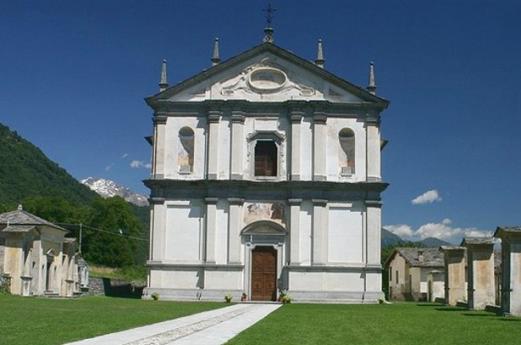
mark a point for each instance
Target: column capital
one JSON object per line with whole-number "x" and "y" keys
{"x": 238, "y": 116}
{"x": 296, "y": 116}
{"x": 294, "y": 201}
{"x": 159, "y": 119}
{"x": 319, "y": 202}
{"x": 211, "y": 200}
{"x": 214, "y": 116}
{"x": 236, "y": 201}
{"x": 373, "y": 203}
{"x": 319, "y": 118}
{"x": 156, "y": 200}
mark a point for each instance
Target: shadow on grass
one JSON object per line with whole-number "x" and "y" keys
{"x": 428, "y": 305}
{"x": 509, "y": 319}
{"x": 450, "y": 309}
{"x": 480, "y": 315}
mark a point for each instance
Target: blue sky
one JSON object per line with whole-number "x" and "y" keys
{"x": 74, "y": 74}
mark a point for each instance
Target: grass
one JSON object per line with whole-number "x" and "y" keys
{"x": 136, "y": 274}
{"x": 43, "y": 321}
{"x": 406, "y": 323}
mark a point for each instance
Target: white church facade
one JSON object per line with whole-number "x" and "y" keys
{"x": 266, "y": 178}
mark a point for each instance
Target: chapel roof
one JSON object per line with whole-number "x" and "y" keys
{"x": 278, "y": 51}
{"x": 23, "y": 221}
{"x": 432, "y": 257}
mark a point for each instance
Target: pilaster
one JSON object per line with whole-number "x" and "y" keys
{"x": 158, "y": 158}
{"x": 157, "y": 228}
{"x": 237, "y": 144}
{"x": 296, "y": 123}
{"x": 373, "y": 158}
{"x": 480, "y": 268}
{"x": 373, "y": 231}
{"x": 214, "y": 118}
{"x": 454, "y": 274}
{"x": 234, "y": 224}
{"x": 320, "y": 232}
{"x": 211, "y": 224}
{"x": 294, "y": 226}
{"x": 319, "y": 146}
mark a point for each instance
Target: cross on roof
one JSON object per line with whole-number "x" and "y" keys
{"x": 269, "y": 13}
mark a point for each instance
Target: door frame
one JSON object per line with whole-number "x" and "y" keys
{"x": 249, "y": 269}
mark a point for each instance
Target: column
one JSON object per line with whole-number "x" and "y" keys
{"x": 234, "y": 236}
{"x": 320, "y": 230}
{"x": 237, "y": 142}
{"x": 373, "y": 231}
{"x": 510, "y": 269}
{"x": 158, "y": 158}
{"x": 373, "y": 150}
{"x": 480, "y": 267}
{"x": 454, "y": 274}
{"x": 214, "y": 118}
{"x": 296, "y": 120}
{"x": 157, "y": 228}
{"x": 211, "y": 224}
{"x": 319, "y": 146}
{"x": 294, "y": 234}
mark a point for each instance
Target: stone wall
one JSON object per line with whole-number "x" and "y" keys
{"x": 114, "y": 288}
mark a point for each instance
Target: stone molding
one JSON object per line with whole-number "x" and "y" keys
{"x": 295, "y": 201}
{"x": 373, "y": 203}
{"x": 320, "y": 118}
{"x": 156, "y": 200}
{"x": 238, "y": 116}
{"x": 211, "y": 200}
{"x": 214, "y": 116}
{"x": 159, "y": 119}
{"x": 236, "y": 201}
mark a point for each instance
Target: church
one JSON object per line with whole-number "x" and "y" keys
{"x": 265, "y": 180}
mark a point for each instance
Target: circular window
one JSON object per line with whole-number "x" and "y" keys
{"x": 267, "y": 79}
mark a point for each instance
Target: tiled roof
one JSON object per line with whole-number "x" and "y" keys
{"x": 422, "y": 257}
{"x": 17, "y": 228}
{"x": 21, "y": 217}
{"x": 477, "y": 240}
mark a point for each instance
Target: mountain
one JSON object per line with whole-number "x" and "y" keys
{"x": 25, "y": 171}
{"x": 432, "y": 242}
{"x": 390, "y": 239}
{"x": 108, "y": 188}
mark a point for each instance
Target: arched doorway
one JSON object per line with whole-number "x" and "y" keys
{"x": 264, "y": 259}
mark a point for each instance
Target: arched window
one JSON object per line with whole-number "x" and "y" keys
{"x": 265, "y": 158}
{"x": 347, "y": 154}
{"x": 185, "y": 155}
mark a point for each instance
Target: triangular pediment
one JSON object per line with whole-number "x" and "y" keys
{"x": 266, "y": 73}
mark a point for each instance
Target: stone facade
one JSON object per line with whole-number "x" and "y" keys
{"x": 480, "y": 272}
{"x": 511, "y": 269}
{"x": 266, "y": 150}
{"x": 36, "y": 257}
{"x": 408, "y": 271}
{"x": 455, "y": 275}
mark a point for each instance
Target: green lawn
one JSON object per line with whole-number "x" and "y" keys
{"x": 45, "y": 321}
{"x": 405, "y": 323}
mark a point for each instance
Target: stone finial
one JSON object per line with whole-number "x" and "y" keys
{"x": 216, "y": 56}
{"x": 268, "y": 35}
{"x": 319, "y": 61}
{"x": 163, "y": 83}
{"x": 20, "y": 207}
{"x": 371, "y": 87}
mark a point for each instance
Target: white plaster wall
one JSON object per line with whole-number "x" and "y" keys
{"x": 334, "y": 126}
{"x": 325, "y": 281}
{"x": 306, "y": 222}
{"x": 173, "y": 125}
{"x": 184, "y": 229}
{"x": 177, "y": 279}
{"x": 345, "y": 237}
{"x": 306, "y": 149}
{"x": 223, "y": 279}
{"x": 221, "y": 232}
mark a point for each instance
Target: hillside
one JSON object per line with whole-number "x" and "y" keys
{"x": 27, "y": 176}
{"x": 25, "y": 171}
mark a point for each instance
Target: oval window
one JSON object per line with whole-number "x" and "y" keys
{"x": 267, "y": 79}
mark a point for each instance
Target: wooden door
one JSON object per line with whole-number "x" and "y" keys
{"x": 264, "y": 274}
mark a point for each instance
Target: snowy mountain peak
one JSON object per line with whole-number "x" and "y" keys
{"x": 108, "y": 188}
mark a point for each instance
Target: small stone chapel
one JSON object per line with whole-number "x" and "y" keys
{"x": 266, "y": 179}
{"x": 37, "y": 259}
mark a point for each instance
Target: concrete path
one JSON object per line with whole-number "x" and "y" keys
{"x": 207, "y": 328}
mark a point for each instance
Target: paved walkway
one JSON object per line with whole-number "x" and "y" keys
{"x": 207, "y": 328}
